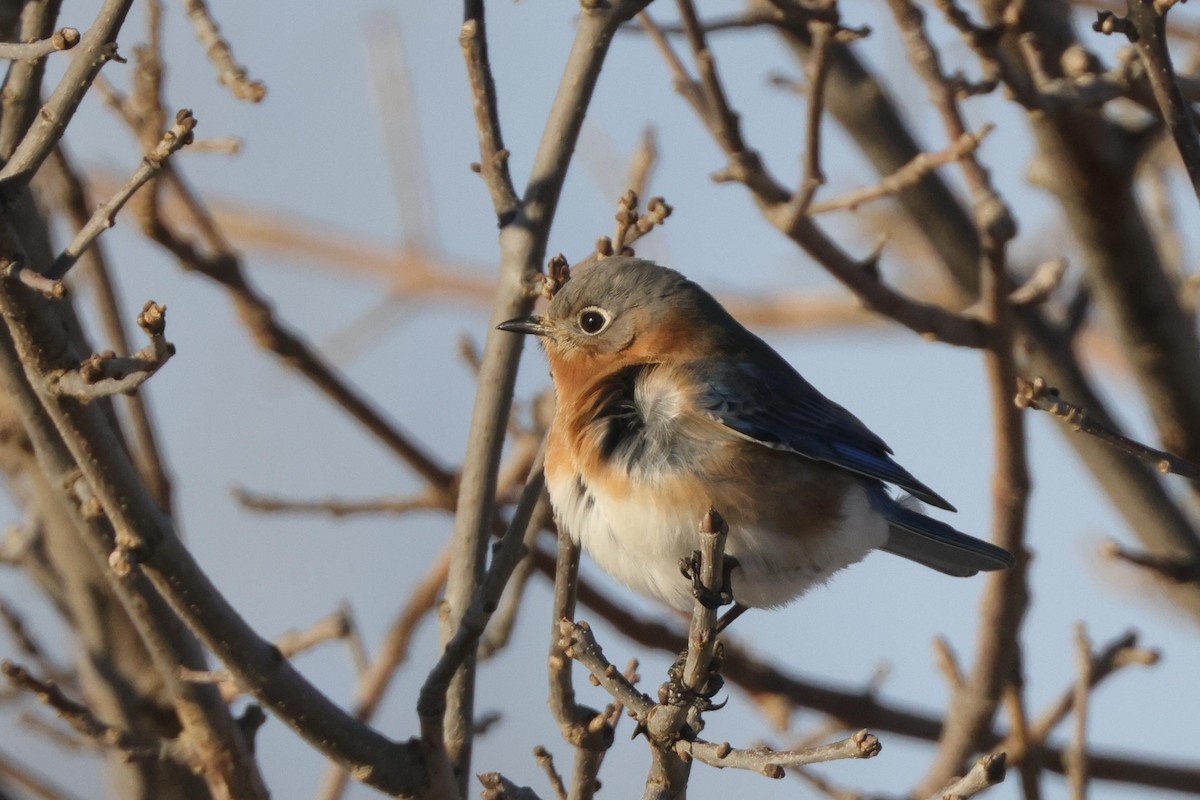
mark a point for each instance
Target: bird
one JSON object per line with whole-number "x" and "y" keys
{"x": 666, "y": 406}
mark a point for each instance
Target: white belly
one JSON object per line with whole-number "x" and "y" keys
{"x": 640, "y": 543}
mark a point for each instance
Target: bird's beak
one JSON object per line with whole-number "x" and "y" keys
{"x": 535, "y": 325}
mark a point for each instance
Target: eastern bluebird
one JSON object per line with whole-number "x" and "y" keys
{"x": 667, "y": 406}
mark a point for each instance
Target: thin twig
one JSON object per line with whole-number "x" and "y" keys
{"x": 393, "y": 652}
{"x": 708, "y": 571}
{"x": 772, "y": 763}
{"x": 106, "y": 374}
{"x": 84, "y": 722}
{"x": 757, "y": 676}
{"x": 988, "y": 771}
{"x": 1076, "y": 755}
{"x": 28, "y": 644}
{"x": 13, "y": 773}
{"x": 493, "y": 163}
{"x": 745, "y": 166}
{"x": 1174, "y": 568}
{"x": 63, "y": 39}
{"x": 338, "y": 507}
{"x": 1117, "y": 654}
{"x": 907, "y": 176}
{"x": 229, "y": 72}
{"x": 1037, "y": 394}
{"x": 546, "y": 761}
{"x": 335, "y": 627}
{"x": 179, "y": 135}
{"x": 815, "y": 71}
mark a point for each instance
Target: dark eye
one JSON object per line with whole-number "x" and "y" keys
{"x": 593, "y": 320}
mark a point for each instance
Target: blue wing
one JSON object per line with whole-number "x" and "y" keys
{"x": 762, "y": 398}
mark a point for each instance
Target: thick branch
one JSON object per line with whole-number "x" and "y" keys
{"x": 1146, "y": 26}
{"x": 97, "y": 46}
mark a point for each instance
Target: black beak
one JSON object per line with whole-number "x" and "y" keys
{"x": 535, "y": 325}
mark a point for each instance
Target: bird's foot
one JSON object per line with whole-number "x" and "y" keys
{"x": 676, "y": 692}
{"x": 690, "y": 567}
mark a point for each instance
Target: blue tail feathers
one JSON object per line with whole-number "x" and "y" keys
{"x": 935, "y": 544}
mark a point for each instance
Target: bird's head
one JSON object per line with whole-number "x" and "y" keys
{"x": 621, "y": 310}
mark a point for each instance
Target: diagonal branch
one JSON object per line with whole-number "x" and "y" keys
{"x": 96, "y": 48}
{"x": 229, "y": 72}
{"x": 179, "y": 135}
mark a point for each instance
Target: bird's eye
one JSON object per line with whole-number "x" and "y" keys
{"x": 592, "y": 320}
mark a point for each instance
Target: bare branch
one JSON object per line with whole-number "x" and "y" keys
{"x": 907, "y": 176}
{"x": 493, "y": 165}
{"x": 229, "y": 72}
{"x": 179, "y": 135}
{"x": 96, "y": 48}
{"x": 708, "y": 577}
{"x": 81, "y": 719}
{"x": 106, "y": 374}
{"x": 758, "y": 677}
{"x": 522, "y": 251}
{"x": 1145, "y": 25}
{"x": 63, "y": 39}
{"x": 498, "y": 787}
{"x": 1037, "y": 394}
{"x": 988, "y": 771}
{"x": 432, "y": 702}
{"x": 1076, "y": 755}
{"x": 37, "y": 786}
{"x": 772, "y": 763}
{"x": 27, "y": 643}
{"x": 662, "y": 722}
{"x": 1176, "y": 569}
{"x": 745, "y": 166}
{"x": 338, "y": 507}
{"x": 1046, "y": 278}
{"x": 546, "y": 761}
{"x": 1117, "y": 654}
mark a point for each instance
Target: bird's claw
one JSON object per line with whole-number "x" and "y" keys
{"x": 690, "y": 567}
